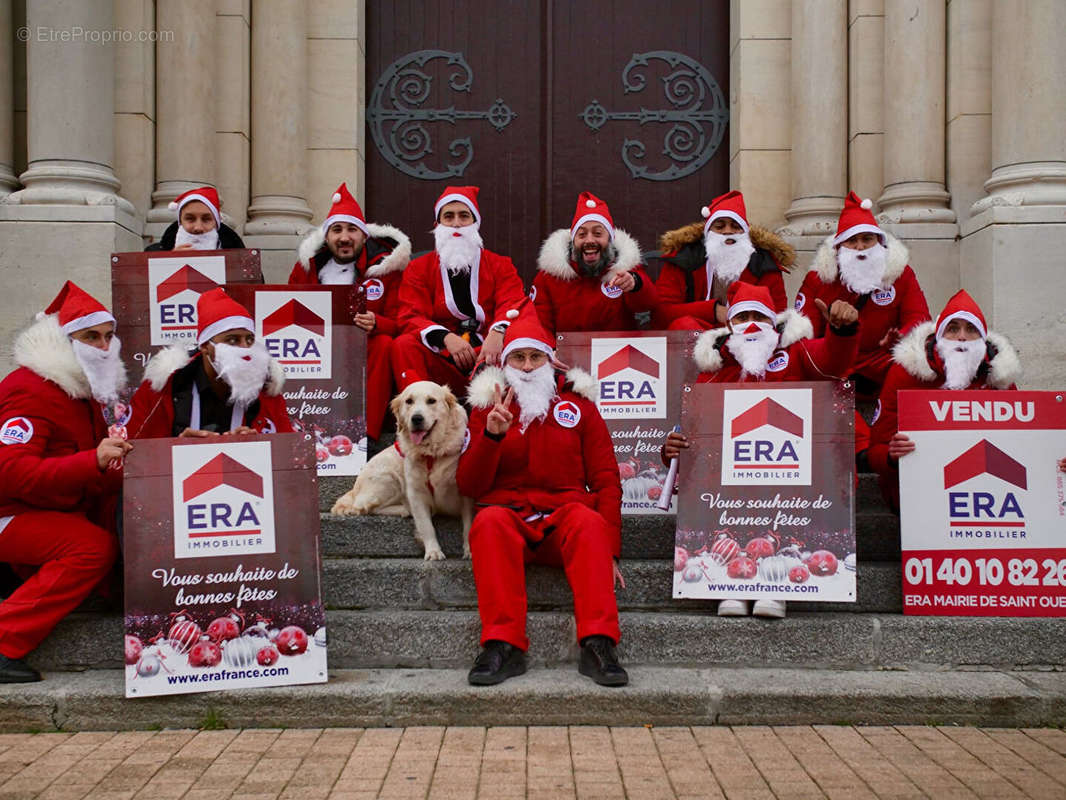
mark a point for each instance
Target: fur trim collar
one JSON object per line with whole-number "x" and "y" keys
{"x": 825, "y": 260}
{"x": 395, "y": 261}
{"x": 763, "y": 239}
{"x": 482, "y": 388}
{"x": 1004, "y": 370}
{"x": 44, "y": 349}
{"x": 554, "y": 257}
{"x": 170, "y": 359}
{"x": 707, "y": 351}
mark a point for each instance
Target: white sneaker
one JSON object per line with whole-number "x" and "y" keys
{"x": 734, "y": 608}
{"x": 772, "y": 609}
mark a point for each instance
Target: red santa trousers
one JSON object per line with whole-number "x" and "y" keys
{"x": 575, "y": 538}
{"x": 412, "y": 361}
{"x": 378, "y": 382}
{"x": 74, "y": 554}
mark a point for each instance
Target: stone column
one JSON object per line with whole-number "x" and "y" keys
{"x": 914, "y": 88}
{"x": 8, "y": 181}
{"x": 185, "y": 105}
{"x": 969, "y": 131}
{"x": 819, "y": 116}
{"x": 279, "y": 212}
{"x": 866, "y": 106}
{"x": 1028, "y": 109}
{"x": 70, "y": 115}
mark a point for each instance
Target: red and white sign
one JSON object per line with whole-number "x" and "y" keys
{"x": 766, "y": 438}
{"x": 174, "y": 286}
{"x": 632, "y": 377}
{"x": 223, "y": 499}
{"x": 983, "y": 504}
{"x": 297, "y": 329}
{"x": 17, "y": 430}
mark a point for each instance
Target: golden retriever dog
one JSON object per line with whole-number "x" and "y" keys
{"x": 416, "y": 478}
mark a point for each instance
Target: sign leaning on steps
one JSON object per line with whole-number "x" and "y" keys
{"x": 983, "y": 503}
{"x": 639, "y": 377}
{"x": 765, "y": 506}
{"x": 222, "y": 565}
{"x": 312, "y": 335}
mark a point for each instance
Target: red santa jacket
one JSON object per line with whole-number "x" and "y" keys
{"x": 565, "y": 458}
{"x": 900, "y": 304}
{"x": 798, "y": 357}
{"x": 568, "y": 300}
{"x": 152, "y": 413}
{"x": 50, "y": 427}
{"x": 917, "y": 365}
{"x": 682, "y": 283}
{"x": 380, "y": 265}
{"x": 426, "y": 301}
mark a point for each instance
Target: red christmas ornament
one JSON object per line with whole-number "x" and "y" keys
{"x": 205, "y": 653}
{"x": 291, "y": 641}
{"x": 724, "y": 550}
{"x": 227, "y": 627}
{"x": 759, "y": 547}
{"x": 267, "y": 656}
{"x": 183, "y": 633}
{"x": 626, "y": 470}
{"x": 680, "y": 557}
{"x": 822, "y": 563}
{"x": 340, "y": 445}
{"x": 742, "y": 567}
{"x": 134, "y": 646}
{"x": 321, "y": 453}
{"x": 799, "y": 574}
{"x": 655, "y": 492}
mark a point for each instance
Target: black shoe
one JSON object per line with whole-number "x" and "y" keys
{"x": 496, "y": 662}
{"x": 599, "y": 662}
{"x": 14, "y": 670}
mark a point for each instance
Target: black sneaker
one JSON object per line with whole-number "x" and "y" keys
{"x": 496, "y": 662}
{"x": 599, "y": 662}
{"x": 14, "y": 670}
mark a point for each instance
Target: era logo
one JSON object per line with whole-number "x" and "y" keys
{"x": 223, "y": 499}
{"x": 986, "y": 503}
{"x": 567, "y": 413}
{"x": 767, "y": 437}
{"x": 17, "y": 430}
{"x": 297, "y": 329}
{"x": 631, "y": 375}
{"x": 174, "y": 286}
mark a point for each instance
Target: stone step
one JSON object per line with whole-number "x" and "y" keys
{"x": 556, "y": 695}
{"x": 810, "y": 640}
{"x": 877, "y": 536}
{"x": 410, "y": 583}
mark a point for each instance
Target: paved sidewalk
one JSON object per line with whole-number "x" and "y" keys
{"x": 578, "y": 762}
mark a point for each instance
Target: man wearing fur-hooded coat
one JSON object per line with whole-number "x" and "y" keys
{"x": 590, "y": 277}
{"x": 691, "y": 288}
{"x": 890, "y": 303}
{"x": 378, "y": 267}
{"x": 919, "y": 363}
{"x": 57, "y": 490}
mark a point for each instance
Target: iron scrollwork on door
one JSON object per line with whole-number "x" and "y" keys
{"x": 698, "y": 115}
{"x": 398, "y": 121}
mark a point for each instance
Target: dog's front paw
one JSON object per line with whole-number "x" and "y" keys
{"x": 343, "y": 507}
{"x": 466, "y": 551}
{"x": 434, "y": 554}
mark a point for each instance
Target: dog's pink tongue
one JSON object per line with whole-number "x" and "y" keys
{"x": 418, "y": 436}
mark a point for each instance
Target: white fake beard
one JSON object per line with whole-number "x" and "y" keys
{"x": 753, "y": 350}
{"x": 103, "y": 368}
{"x": 244, "y": 369}
{"x": 458, "y": 248}
{"x": 199, "y": 241}
{"x": 534, "y": 391}
{"x": 727, "y": 261}
{"x": 961, "y": 361}
{"x": 862, "y": 270}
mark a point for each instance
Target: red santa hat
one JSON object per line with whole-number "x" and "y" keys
{"x": 525, "y": 330}
{"x": 464, "y": 194}
{"x": 856, "y": 217}
{"x": 748, "y": 297}
{"x": 961, "y": 306}
{"x": 77, "y": 309}
{"x": 206, "y": 195}
{"x": 591, "y": 209}
{"x": 730, "y": 204}
{"x": 345, "y": 209}
{"x": 217, "y": 312}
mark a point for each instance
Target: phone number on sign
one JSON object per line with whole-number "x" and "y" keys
{"x": 962, "y": 571}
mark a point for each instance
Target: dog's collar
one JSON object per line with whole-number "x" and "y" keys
{"x": 429, "y": 466}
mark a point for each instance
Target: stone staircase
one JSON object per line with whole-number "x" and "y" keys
{"x": 403, "y": 632}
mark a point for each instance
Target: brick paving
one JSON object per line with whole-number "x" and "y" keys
{"x": 540, "y": 763}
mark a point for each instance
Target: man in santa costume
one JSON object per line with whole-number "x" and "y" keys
{"x": 590, "y": 277}
{"x": 199, "y": 225}
{"x": 702, "y": 260}
{"x": 956, "y": 352}
{"x": 348, "y": 250}
{"x": 57, "y": 485}
{"x": 453, "y": 300}
{"x": 759, "y": 345}
{"x": 867, "y": 267}
{"x": 228, "y": 384}
{"x": 541, "y": 468}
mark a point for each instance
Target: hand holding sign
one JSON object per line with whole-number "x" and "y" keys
{"x": 111, "y": 449}
{"x": 899, "y": 445}
{"x": 1062, "y": 465}
{"x": 500, "y": 417}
